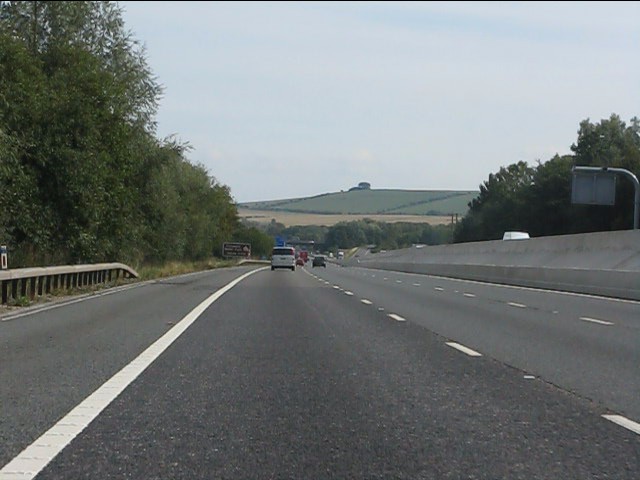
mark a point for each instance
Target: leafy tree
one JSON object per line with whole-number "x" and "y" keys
{"x": 610, "y": 143}
{"x": 497, "y": 207}
{"x": 82, "y": 176}
{"x": 538, "y": 200}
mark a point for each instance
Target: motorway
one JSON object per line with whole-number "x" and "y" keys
{"x": 321, "y": 373}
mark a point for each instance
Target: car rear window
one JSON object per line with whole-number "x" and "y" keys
{"x": 283, "y": 251}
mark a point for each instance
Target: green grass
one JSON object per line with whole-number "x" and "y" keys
{"x": 362, "y": 202}
{"x": 171, "y": 269}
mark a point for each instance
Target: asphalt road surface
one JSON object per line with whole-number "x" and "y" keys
{"x": 321, "y": 373}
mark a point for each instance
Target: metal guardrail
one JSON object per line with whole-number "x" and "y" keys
{"x": 34, "y": 281}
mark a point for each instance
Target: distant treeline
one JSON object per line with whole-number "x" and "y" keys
{"x": 537, "y": 199}
{"x": 82, "y": 176}
{"x": 357, "y": 233}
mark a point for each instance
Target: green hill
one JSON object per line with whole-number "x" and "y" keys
{"x": 362, "y": 202}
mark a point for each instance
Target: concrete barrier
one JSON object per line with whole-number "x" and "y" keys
{"x": 603, "y": 263}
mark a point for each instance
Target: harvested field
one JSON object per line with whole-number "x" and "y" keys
{"x": 291, "y": 218}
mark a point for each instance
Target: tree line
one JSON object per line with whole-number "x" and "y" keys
{"x": 83, "y": 177}
{"x": 537, "y": 199}
{"x": 381, "y": 235}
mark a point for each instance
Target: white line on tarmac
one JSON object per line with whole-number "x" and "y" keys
{"x": 463, "y": 349}
{"x": 337, "y": 287}
{"x": 83, "y": 298}
{"x": 517, "y": 305}
{"x": 366, "y": 302}
{"x": 516, "y": 287}
{"x": 36, "y": 456}
{"x": 439, "y": 289}
{"x": 470, "y": 295}
{"x": 416, "y": 284}
{"x": 624, "y": 422}
{"x": 348, "y": 293}
{"x": 397, "y": 318}
{"x": 595, "y": 320}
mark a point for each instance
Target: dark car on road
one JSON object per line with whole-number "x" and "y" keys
{"x": 319, "y": 261}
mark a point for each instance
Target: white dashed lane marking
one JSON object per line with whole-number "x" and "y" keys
{"x": 366, "y": 302}
{"x": 624, "y": 422}
{"x": 397, "y": 318}
{"x": 517, "y": 305}
{"x": 463, "y": 349}
{"x": 348, "y": 293}
{"x": 470, "y": 295}
{"x": 595, "y": 320}
{"x": 440, "y": 289}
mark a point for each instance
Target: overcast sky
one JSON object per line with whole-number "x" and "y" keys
{"x": 284, "y": 100}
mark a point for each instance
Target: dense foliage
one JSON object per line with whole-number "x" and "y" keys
{"x": 82, "y": 176}
{"x": 538, "y": 199}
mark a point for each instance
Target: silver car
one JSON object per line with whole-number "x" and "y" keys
{"x": 283, "y": 257}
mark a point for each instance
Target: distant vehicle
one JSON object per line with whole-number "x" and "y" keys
{"x": 304, "y": 255}
{"x": 283, "y": 257}
{"x": 340, "y": 255}
{"x": 515, "y": 236}
{"x": 300, "y": 262}
{"x": 319, "y": 261}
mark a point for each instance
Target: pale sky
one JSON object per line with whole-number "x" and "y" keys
{"x": 293, "y": 99}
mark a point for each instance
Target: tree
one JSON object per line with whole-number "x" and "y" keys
{"x": 538, "y": 200}
{"x": 82, "y": 176}
{"x": 497, "y": 209}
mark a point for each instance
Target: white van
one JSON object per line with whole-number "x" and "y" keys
{"x": 283, "y": 257}
{"x": 515, "y": 236}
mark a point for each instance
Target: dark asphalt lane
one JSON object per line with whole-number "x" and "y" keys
{"x": 51, "y": 360}
{"x": 537, "y": 331}
{"x": 286, "y": 377}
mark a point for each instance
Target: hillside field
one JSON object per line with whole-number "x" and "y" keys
{"x": 296, "y": 218}
{"x": 433, "y": 203}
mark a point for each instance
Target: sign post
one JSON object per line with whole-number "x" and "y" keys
{"x": 597, "y": 186}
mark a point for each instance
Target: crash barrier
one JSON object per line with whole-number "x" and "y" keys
{"x": 603, "y": 263}
{"x": 42, "y": 280}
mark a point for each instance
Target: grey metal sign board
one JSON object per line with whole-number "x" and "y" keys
{"x": 593, "y": 188}
{"x": 231, "y": 249}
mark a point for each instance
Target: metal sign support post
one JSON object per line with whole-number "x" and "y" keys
{"x": 631, "y": 176}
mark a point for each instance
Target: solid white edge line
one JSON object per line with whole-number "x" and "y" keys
{"x": 595, "y": 320}
{"x": 463, "y": 349}
{"x": 397, "y": 318}
{"x": 33, "y": 459}
{"x": 6, "y": 317}
{"x": 624, "y": 422}
{"x": 83, "y": 298}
